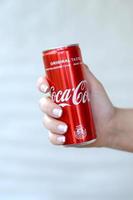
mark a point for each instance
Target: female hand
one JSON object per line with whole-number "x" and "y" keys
{"x": 102, "y": 108}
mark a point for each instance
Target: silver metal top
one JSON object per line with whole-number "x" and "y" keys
{"x": 60, "y": 47}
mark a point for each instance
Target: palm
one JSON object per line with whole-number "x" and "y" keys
{"x": 102, "y": 109}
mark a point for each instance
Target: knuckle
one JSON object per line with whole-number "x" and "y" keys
{"x": 39, "y": 81}
{"x": 99, "y": 85}
{"x": 43, "y": 102}
{"x": 53, "y": 141}
{"x": 46, "y": 121}
{"x": 52, "y": 138}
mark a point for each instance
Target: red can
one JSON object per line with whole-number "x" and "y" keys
{"x": 69, "y": 89}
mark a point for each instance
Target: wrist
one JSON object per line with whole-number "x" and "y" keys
{"x": 120, "y": 135}
{"x": 113, "y": 130}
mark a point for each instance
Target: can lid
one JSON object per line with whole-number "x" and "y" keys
{"x": 62, "y": 56}
{"x": 51, "y": 50}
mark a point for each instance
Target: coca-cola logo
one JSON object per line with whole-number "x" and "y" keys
{"x": 74, "y": 95}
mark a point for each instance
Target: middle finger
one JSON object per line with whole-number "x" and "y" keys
{"x": 50, "y": 108}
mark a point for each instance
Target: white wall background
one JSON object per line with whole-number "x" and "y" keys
{"x": 30, "y": 167}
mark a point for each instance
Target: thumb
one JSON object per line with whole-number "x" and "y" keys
{"x": 97, "y": 91}
{"x": 98, "y": 95}
{"x": 94, "y": 83}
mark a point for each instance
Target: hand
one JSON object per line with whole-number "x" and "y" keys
{"x": 102, "y": 108}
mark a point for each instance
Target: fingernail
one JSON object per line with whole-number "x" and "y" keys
{"x": 44, "y": 88}
{"x": 57, "y": 112}
{"x": 62, "y": 127}
{"x": 61, "y": 139}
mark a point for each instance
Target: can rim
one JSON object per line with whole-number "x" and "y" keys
{"x": 59, "y": 47}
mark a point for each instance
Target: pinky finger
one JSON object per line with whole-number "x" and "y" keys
{"x": 56, "y": 139}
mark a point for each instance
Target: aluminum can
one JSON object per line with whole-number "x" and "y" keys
{"x": 70, "y": 90}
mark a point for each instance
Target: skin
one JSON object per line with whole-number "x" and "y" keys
{"x": 114, "y": 126}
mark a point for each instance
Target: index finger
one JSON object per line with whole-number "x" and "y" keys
{"x": 42, "y": 84}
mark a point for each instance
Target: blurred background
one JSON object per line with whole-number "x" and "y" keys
{"x": 30, "y": 167}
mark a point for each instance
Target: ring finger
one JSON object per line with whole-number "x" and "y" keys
{"x": 54, "y": 125}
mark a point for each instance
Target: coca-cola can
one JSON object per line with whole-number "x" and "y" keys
{"x": 70, "y": 90}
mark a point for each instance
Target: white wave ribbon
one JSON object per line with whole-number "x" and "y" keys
{"x": 64, "y": 104}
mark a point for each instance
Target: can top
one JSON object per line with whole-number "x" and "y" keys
{"x": 61, "y": 57}
{"x": 60, "y": 48}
